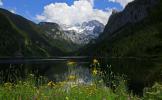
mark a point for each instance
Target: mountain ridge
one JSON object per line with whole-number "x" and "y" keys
{"x": 80, "y": 34}
{"x": 43, "y": 39}
{"x": 134, "y": 12}
{"x": 132, "y": 38}
{"x": 32, "y": 42}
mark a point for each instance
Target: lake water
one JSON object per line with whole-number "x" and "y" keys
{"x": 140, "y": 72}
{"x": 55, "y": 69}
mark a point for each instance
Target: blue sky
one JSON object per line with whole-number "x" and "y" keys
{"x": 32, "y": 8}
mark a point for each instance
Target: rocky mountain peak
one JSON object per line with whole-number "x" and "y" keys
{"x": 92, "y": 23}
{"x": 79, "y": 34}
{"x": 133, "y": 13}
{"x": 114, "y": 11}
{"x": 85, "y": 32}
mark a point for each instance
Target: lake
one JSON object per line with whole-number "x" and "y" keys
{"x": 140, "y": 72}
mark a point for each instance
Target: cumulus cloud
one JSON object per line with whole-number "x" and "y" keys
{"x": 1, "y": 3}
{"x": 123, "y": 3}
{"x": 79, "y": 12}
{"x": 91, "y": 1}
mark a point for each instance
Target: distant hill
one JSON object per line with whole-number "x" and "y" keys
{"x": 20, "y": 37}
{"x": 55, "y": 35}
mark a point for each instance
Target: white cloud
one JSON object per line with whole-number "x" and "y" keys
{"x": 123, "y": 3}
{"x": 91, "y": 1}
{"x": 13, "y": 11}
{"x": 79, "y": 12}
{"x": 1, "y": 3}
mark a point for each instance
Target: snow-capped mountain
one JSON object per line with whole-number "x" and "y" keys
{"x": 83, "y": 33}
{"x": 78, "y": 34}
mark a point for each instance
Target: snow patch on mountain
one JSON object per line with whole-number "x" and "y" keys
{"x": 79, "y": 33}
{"x": 83, "y": 33}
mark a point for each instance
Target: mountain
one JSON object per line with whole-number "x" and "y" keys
{"x": 43, "y": 39}
{"x": 57, "y": 37}
{"x": 133, "y": 39}
{"x": 20, "y": 37}
{"x": 135, "y": 31}
{"x": 83, "y": 33}
{"x": 134, "y": 12}
{"x": 79, "y": 34}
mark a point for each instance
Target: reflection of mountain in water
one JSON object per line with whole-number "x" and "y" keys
{"x": 140, "y": 72}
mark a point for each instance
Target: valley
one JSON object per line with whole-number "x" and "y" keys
{"x": 119, "y": 58}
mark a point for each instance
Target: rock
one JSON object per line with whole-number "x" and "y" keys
{"x": 133, "y": 13}
{"x": 78, "y": 34}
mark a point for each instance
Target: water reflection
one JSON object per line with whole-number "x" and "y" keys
{"x": 54, "y": 69}
{"x": 140, "y": 72}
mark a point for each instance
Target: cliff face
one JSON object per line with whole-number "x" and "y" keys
{"x": 135, "y": 31}
{"x": 133, "y": 13}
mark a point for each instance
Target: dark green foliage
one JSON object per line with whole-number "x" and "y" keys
{"x": 8, "y": 45}
{"x": 21, "y": 37}
{"x": 57, "y": 39}
{"x": 153, "y": 93}
{"x": 141, "y": 42}
{"x": 140, "y": 39}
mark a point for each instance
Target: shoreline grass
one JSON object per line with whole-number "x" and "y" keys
{"x": 40, "y": 88}
{"x": 66, "y": 90}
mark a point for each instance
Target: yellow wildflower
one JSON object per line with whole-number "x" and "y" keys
{"x": 94, "y": 72}
{"x": 8, "y": 85}
{"x": 71, "y": 63}
{"x": 95, "y": 61}
{"x": 61, "y": 84}
{"x": 72, "y": 77}
{"x": 51, "y": 84}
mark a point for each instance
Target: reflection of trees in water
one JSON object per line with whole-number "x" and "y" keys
{"x": 53, "y": 71}
{"x": 140, "y": 72}
{"x": 11, "y": 72}
{"x": 16, "y": 72}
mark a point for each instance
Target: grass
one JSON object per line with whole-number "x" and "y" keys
{"x": 40, "y": 88}
{"x": 66, "y": 90}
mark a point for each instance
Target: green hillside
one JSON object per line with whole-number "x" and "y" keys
{"x": 140, "y": 39}
{"x": 21, "y": 37}
{"x": 53, "y": 33}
